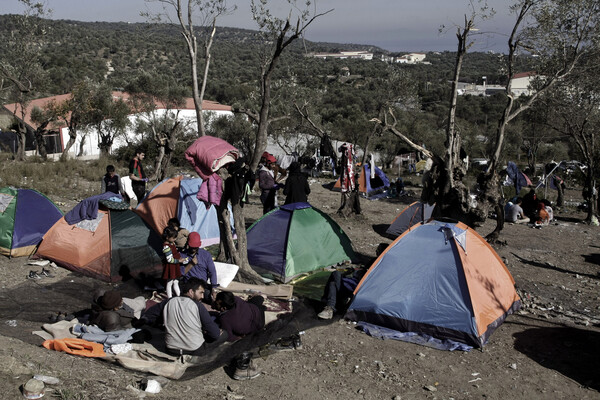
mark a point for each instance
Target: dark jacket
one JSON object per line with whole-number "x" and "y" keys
{"x": 296, "y": 186}
{"x": 243, "y": 319}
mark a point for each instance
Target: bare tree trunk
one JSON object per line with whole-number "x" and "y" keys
{"x": 195, "y": 90}
{"x": 105, "y": 145}
{"x": 22, "y": 139}
{"x": 158, "y": 162}
{"x": 41, "y": 143}
{"x": 590, "y": 194}
{"x": 350, "y": 204}
{"x": 70, "y": 143}
{"x": 207, "y": 56}
{"x": 236, "y": 253}
{"x": 451, "y": 195}
{"x": 81, "y": 144}
{"x": 162, "y": 172}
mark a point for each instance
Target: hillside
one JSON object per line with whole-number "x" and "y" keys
{"x": 76, "y": 49}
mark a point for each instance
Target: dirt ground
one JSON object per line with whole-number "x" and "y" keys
{"x": 548, "y": 350}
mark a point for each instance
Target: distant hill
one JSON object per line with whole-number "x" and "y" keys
{"x": 117, "y": 51}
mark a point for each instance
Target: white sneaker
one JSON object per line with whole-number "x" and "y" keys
{"x": 327, "y": 313}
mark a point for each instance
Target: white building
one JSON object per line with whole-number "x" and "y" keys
{"x": 362, "y": 55}
{"x": 411, "y": 58}
{"x": 90, "y": 137}
{"x": 520, "y": 84}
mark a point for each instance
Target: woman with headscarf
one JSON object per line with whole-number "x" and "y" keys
{"x": 267, "y": 185}
{"x": 296, "y": 186}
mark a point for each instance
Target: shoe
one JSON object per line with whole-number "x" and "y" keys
{"x": 297, "y": 341}
{"x": 288, "y": 343}
{"x": 245, "y": 369}
{"x": 33, "y": 275}
{"x": 327, "y": 313}
{"x": 250, "y": 372}
{"x": 46, "y": 273}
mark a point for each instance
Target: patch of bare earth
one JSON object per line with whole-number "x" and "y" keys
{"x": 547, "y": 350}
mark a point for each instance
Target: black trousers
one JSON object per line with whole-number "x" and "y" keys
{"x": 139, "y": 189}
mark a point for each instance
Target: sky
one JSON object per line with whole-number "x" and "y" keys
{"x": 394, "y": 25}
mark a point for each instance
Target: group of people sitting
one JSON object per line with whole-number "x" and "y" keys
{"x": 190, "y": 328}
{"x": 527, "y": 209}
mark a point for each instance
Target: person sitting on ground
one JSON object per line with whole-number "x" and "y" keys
{"x": 107, "y": 313}
{"x": 296, "y": 187}
{"x": 400, "y": 191}
{"x": 182, "y": 233}
{"x": 111, "y": 182}
{"x": 238, "y": 317}
{"x": 530, "y": 205}
{"x": 338, "y": 290}
{"x": 549, "y": 210}
{"x": 514, "y": 213}
{"x": 189, "y": 327}
{"x": 542, "y": 215}
{"x": 201, "y": 265}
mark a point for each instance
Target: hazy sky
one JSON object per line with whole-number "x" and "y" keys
{"x": 395, "y": 25}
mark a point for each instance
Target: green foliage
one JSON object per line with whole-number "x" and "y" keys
{"x": 137, "y": 57}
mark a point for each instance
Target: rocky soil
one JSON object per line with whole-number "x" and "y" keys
{"x": 548, "y": 350}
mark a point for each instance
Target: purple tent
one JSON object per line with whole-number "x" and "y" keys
{"x": 25, "y": 216}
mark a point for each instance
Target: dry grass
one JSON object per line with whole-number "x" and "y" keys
{"x": 56, "y": 178}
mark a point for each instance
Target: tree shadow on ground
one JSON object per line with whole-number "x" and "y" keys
{"x": 568, "y": 219}
{"x": 551, "y": 267}
{"x": 29, "y": 305}
{"x": 570, "y": 351}
{"x": 381, "y": 229}
{"x": 32, "y": 303}
{"x": 593, "y": 258}
{"x": 329, "y": 185}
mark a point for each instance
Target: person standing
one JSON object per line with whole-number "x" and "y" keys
{"x": 173, "y": 258}
{"x": 137, "y": 175}
{"x": 111, "y": 182}
{"x": 267, "y": 185}
{"x": 296, "y": 186}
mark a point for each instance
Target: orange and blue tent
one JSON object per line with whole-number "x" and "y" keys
{"x": 413, "y": 214}
{"x": 176, "y": 197}
{"x": 25, "y": 216}
{"x": 440, "y": 280}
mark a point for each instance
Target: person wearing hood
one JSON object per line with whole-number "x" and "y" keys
{"x": 296, "y": 187}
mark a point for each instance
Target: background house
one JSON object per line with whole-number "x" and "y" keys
{"x": 520, "y": 84}
{"x": 58, "y": 134}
